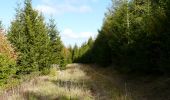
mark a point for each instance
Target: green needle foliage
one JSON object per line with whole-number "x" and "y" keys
{"x": 135, "y": 37}
{"x": 39, "y": 45}
{"x": 29, "y": 35}
{"x": 56, "y": 44}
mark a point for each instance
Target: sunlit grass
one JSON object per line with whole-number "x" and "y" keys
{"x": 63, "y": 85}
{"x": 88, "y": 82}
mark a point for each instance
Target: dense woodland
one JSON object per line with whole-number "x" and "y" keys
{"x": 134, "y": 37}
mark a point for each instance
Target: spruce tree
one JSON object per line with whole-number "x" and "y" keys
{"x": 75, "y": 53}
{"x": 56, "y": 45}
{"x": 28, "y": 34}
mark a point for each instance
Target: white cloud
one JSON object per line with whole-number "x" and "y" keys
{"x": 46, "y": 9}
{"x": 71, "y": 38}
{"x": 70, "y": 34}
{"x": 80, "y": 1}
{"x": 67, "y": 6}
{"x": 60, "y": 9}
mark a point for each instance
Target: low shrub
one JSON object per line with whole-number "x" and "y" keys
{"x": 7, "y": 59}
{"x": 7, "y": 68}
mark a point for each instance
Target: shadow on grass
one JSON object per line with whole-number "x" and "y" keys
{"x": 106, "y": 84}
{"x": 36, "y": 96}
{"x": 127, "y": 87}
{"x": 70, "y": 84}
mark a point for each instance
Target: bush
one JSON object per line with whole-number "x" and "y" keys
{"x": 7, "y": 59}
{"x": 53, "y": 71}
{"x": 45, "y": 71}
{"x": 7, "y": 68}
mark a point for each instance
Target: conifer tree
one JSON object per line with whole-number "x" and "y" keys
{"x": 56, "y": 45}
{"x": 75, "y": 53}
{"x": 28, "y": 34}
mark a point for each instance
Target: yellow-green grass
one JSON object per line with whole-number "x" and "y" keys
{"x": 71, "y": 83}
{"x": 89, "y": 82}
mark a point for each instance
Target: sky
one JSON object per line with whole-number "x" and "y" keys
{"x": 77, "y": 20}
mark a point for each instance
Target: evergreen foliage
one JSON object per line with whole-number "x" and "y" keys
{"x": 82, "y": 54}
{"x": 39, "y": 45}
{"x": 56, "y": 45}
{"x": 7, "y": 59}
{"x": 134, "y": 37}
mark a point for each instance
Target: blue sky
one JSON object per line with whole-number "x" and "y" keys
{"x": 77, "y": 20}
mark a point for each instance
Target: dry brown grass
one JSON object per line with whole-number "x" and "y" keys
{"x": 62, "y": 85}
{"x": 88, "y": 82}
{"x": 111, "y": 85}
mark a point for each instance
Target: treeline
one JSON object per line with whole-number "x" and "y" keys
{"x": 30, "y": 45}
{"x": 79, "y": 54}
{"x": 135, "y": 37}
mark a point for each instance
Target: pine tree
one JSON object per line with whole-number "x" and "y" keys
{"x": 56, "y": 45}
{"x": 75, "y": 53}
{"x": 70, "y": 49}
{"x": 28, "y": 34}
{"x": 135, "y": 36}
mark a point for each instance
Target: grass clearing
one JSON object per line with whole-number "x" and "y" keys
{"x": 59, "y": 85}
{"x": 89, "y": 82}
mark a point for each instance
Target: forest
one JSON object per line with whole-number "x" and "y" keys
{"x": 134, "y": 39}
